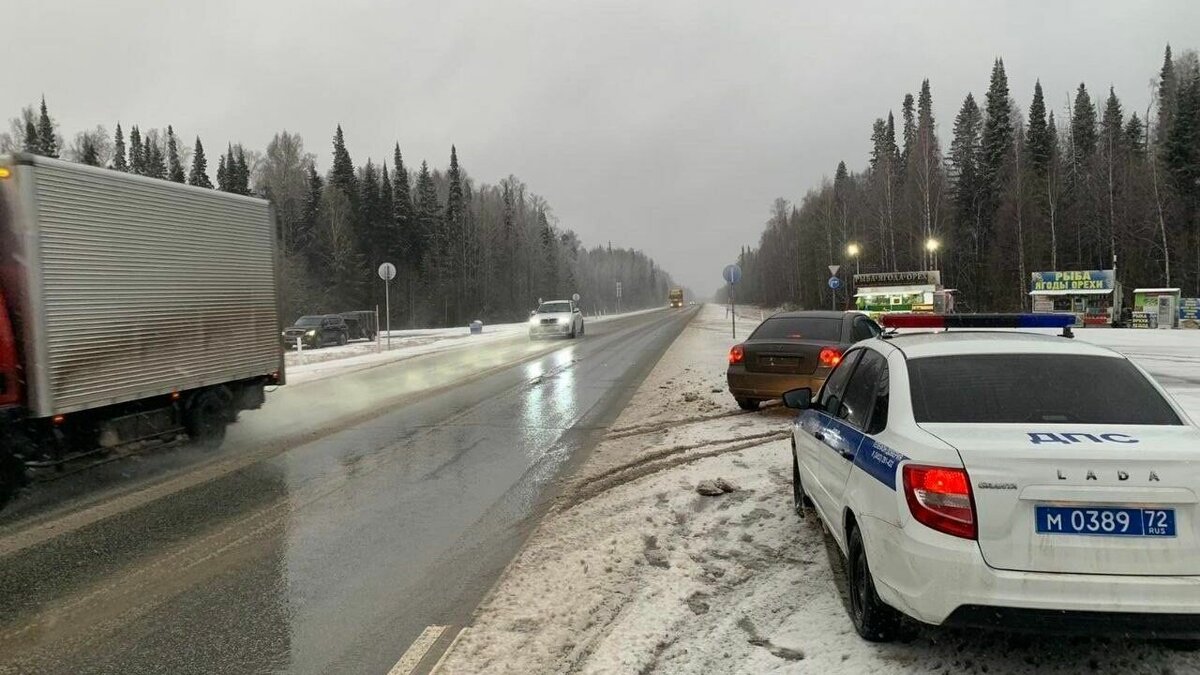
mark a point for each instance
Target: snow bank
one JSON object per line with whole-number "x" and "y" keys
{"x": 633, "y": 571}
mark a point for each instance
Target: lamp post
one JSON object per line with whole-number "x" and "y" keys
{"x": 931, "y": 245}
{"x": 853, "y": 250}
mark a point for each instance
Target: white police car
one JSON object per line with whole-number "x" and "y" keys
{"x": 1004, "y": 480}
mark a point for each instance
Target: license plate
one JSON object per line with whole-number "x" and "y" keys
{"x": 1105, "y": 521}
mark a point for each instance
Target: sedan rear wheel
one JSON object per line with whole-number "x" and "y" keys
{"x": 748, "y": 403}
{"x": 874, "y": 621}
{"x": 798, "y": 497}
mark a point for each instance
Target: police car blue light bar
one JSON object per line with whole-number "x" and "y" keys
{"x": 902, "y": 320}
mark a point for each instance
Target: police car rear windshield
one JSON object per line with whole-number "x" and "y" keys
{"x": 1045, "y": 388}
{"x": 799, "y": 328}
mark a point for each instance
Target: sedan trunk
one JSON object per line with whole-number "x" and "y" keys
{"x": 1087, "y": 499}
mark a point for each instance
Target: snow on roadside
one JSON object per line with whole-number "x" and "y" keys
{"x": 633, "y": 571}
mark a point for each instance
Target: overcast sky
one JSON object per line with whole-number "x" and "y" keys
{"x": 667, "y": 126}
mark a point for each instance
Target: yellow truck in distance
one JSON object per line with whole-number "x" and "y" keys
{"x": 675, "y": 297}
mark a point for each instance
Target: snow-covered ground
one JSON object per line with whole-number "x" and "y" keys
{"x": 312, "y": 364}
{"x": 633, "y": 571}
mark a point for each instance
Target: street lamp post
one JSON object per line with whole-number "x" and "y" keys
{"x": 853, "y": 250}
{"x": 931, "y": 245}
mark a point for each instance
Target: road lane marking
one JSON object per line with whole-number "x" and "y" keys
{"x": 417, "y": 650}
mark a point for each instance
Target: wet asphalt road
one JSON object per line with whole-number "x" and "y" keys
{"x": 335, "y": 524}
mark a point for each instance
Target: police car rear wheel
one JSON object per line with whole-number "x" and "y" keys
{"x": 799, "y": 500}
{"x": 873, "y": 620}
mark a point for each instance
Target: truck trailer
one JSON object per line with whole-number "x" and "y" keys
{"x": 132, "y": 309}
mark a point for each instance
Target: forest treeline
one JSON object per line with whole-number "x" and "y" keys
{"x": 1016, "y": 191}
{"x": 463, "y": 250}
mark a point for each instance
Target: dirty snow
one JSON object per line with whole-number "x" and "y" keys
{"x": 634, "y": 571}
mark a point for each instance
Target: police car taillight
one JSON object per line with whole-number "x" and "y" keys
{"x": 940, "y": 497}
{"x": 736, "y": 354}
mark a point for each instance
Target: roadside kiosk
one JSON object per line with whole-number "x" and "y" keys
{"x": 1093, "y": 296}
{"x": 919, "y": 291}
{"x": 1161, "y": 303}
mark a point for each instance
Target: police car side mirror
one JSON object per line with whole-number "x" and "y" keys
{"x": 798, "y": 399}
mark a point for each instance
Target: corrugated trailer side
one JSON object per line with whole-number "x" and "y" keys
{"x": 137, "y": 287}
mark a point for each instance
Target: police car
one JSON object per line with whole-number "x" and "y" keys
{"x": 1004, "y": 480}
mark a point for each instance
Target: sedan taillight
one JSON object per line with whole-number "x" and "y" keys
{"x": 830, "y": 357}
{"x": 940, "y": 497}
{"x": 736, "y": 354}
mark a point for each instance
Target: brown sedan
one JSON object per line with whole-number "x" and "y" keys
{"x": 792, "y": 350}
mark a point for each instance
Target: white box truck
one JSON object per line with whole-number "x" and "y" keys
{"x": 131, "y": 309}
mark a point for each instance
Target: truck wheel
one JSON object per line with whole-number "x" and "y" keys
{"x": 207, "y": 416}
{"x": 343, "y": 339}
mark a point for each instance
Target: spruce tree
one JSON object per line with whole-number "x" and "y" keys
{"x": 1037, "y": 135}
{"x": 222, "y": 175}
{"x": 406, "y": 247}
{"x": 156, "y": 165}
{"x": 341, "y": 174}
{"x": 965, "y": 168}
{"x": 385, "y": 208}
{"x": 1135, "y": 136}
{"x": 88, "y": 152}
{"x": 137, "y": 162}
{"x": 1182, "y": 152}
{"x": 47, "y": 141}
{"x": 242, "y": 176}
{"x": 370, "y": 240}
{"x": 119, "y": 162}
{"x": 312, "y": 212}
{"x": 198, "y": 176}
{"x": 1083, "y": 125}
{"x": 174, "y": 167}
{"x": 32, "y": 144}
{"x": 456, "y": 234}
{"x": 908, "y": 114}
{"x": 997, "y": 142}
{"x": 427, "y": 237}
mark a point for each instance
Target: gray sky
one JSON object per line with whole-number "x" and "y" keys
{"x": 668, "y": 126}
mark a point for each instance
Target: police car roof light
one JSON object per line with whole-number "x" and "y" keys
{"x": 906, "y": 320}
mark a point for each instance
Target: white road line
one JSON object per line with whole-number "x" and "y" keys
{"x": 417, "y": 650}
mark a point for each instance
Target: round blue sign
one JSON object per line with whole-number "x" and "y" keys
{"x": 835, "y": 283}
{"x": 732, "y": 273}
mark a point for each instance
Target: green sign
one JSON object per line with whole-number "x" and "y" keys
{"x": 1082, "y": 280}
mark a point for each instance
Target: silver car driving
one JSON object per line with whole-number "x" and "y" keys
{"x": 557, "y": 318}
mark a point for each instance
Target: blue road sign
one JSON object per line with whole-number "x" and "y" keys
{"x": 835, "y": 283}
{"x": 732, "y": 274}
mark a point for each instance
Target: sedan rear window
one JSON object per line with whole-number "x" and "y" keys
{"x": 799, "y": 328}
{"x": 1022, "y": 388}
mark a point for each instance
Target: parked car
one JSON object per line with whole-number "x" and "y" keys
{"x": 791, "y": 350}
{"x": 969, "y": 480}
{"x": 317, "y": 331}
{"x": 557, "y": 318}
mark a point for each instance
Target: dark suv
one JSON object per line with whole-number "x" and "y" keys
{"x": 317, "y": 331}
